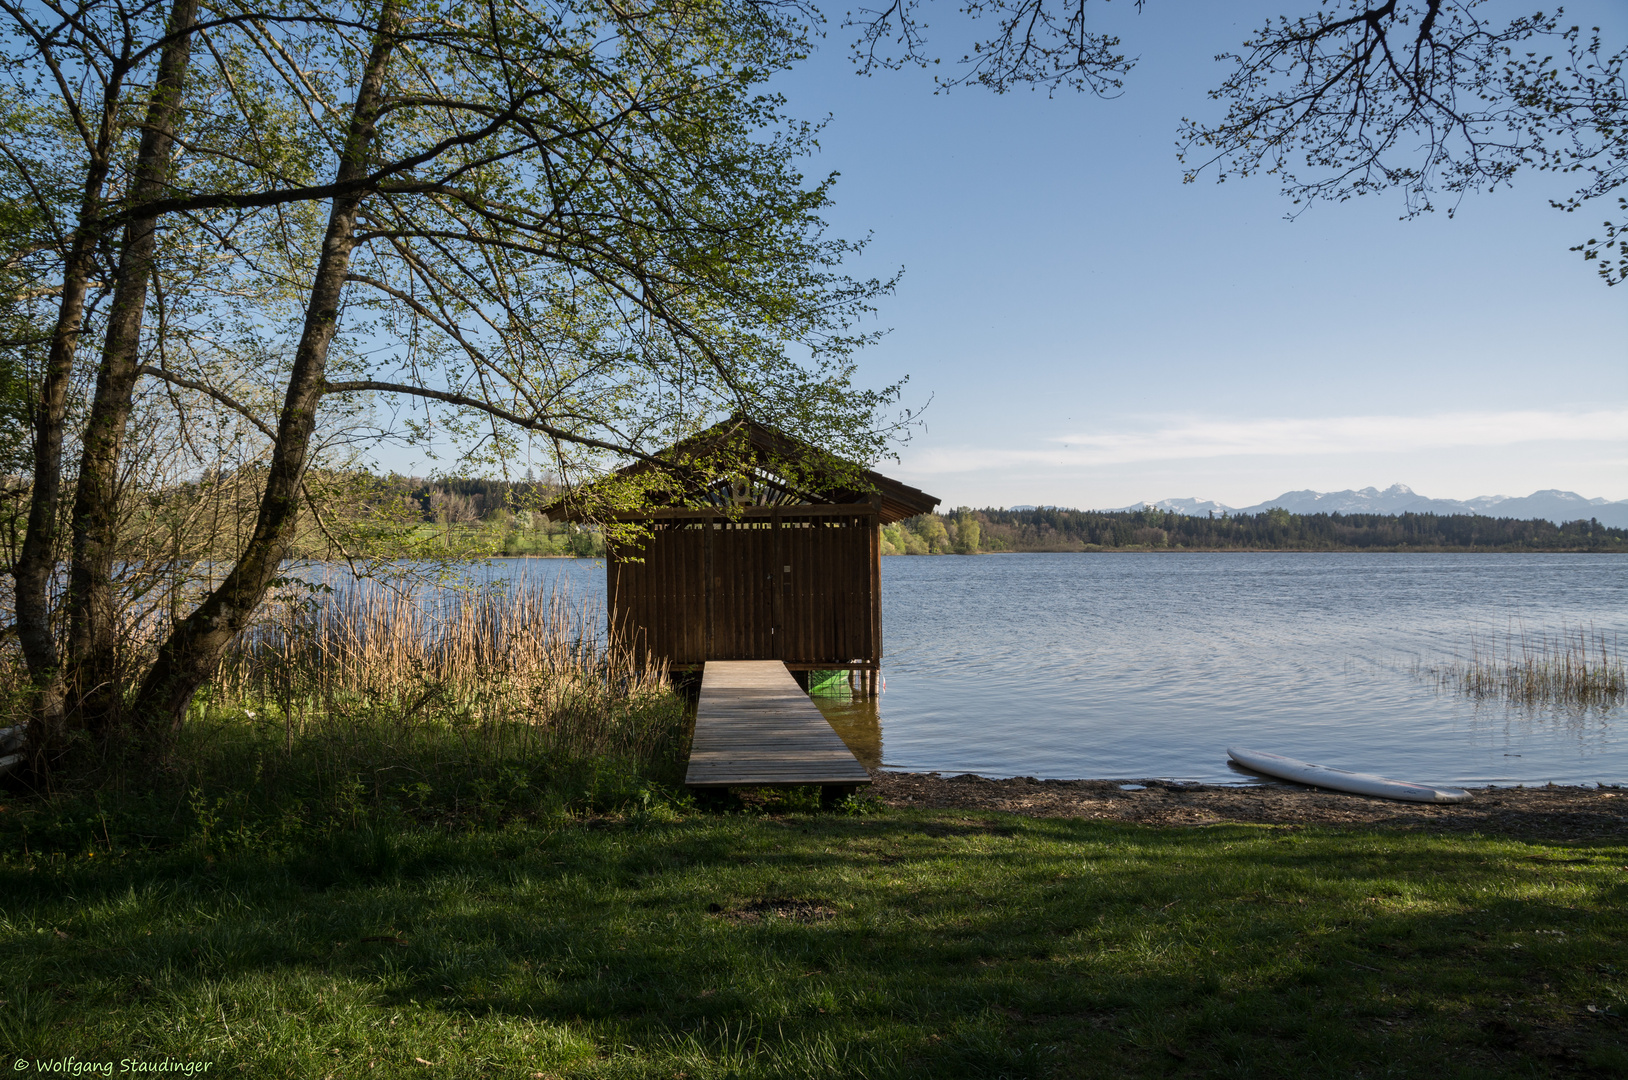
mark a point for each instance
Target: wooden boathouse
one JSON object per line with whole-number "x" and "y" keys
{"x": 777, "y": 557}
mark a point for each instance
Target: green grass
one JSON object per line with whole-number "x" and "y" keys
{"x": 799, "y": 944}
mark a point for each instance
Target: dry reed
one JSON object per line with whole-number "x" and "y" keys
{"x": 1574, "y": 666}
{"x": 435, "y": 698}
{"x": 378, "y": 638}
{"x": 447, "y": 685}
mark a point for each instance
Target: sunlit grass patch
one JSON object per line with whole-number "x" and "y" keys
{"x": 904, "y": 944}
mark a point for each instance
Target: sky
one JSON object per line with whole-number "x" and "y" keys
{"x": 1086, "y": 330}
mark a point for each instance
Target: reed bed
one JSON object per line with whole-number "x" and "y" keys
{"x": 506, "y": 698}
{"x": 524, "y": 653}
{"x": 1575, "y": 666}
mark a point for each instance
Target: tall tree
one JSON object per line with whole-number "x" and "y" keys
{"x": 186, "y": 659}
{"x": 105, "y": 84}
{"x": 91, "y": 607}
{"x": 578, "y": 222}
{"x": 596, "y": 245}
{"x": 72, "y": 50}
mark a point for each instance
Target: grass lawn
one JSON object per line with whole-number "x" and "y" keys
{"x": 931, "y": 944}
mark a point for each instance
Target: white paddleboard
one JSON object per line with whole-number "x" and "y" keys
{"x": 1302, "y": 772}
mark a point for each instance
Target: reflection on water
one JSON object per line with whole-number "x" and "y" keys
{"x": 859, "y": 722}
{"x": 1139, "y": 666}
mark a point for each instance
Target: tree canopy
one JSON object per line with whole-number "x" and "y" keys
{"x": 1432, "y": 98}
{"x": 571, "y": 228}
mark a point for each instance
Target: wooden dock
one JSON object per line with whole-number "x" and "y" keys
{"x": 755, "y": 726}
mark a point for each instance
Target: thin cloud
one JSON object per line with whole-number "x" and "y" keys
{"x": 1197, "y": 439}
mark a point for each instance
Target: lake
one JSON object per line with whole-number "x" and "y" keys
{"x": 1138, "y": 666}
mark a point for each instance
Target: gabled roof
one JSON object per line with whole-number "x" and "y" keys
{"x": 767, "y": 453}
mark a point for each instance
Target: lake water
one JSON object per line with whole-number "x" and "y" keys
{"x": 1140, "y": 666}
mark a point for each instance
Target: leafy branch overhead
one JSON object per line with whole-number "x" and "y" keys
{"x": 570, "y": 228}
{"x": 1434, "y": 98}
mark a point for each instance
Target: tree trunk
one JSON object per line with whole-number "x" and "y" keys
{"x": 91, "y": 605}
{"x": 188, "y": 657}
{"x": 36, "y": 562}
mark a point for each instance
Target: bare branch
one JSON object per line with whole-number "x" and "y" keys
{"x": 527, "y": 423}
{"x": 204, "y": 388}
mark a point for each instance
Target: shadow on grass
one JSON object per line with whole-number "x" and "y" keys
{"x": 932, "y": 943}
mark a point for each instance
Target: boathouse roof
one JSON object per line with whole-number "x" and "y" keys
{"x": 771, "y": 469}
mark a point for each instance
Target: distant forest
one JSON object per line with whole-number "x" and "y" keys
{"x": 398, "y": 516}
{"x": 966, "y": 531}
{"x": 488, "y": 513}
{"x": 489, "y": 516}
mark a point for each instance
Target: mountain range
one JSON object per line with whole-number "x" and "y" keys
{"x": 1553, "y": 504}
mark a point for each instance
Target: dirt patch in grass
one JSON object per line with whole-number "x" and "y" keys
{"x": 1559, "y": 813}
{"x": 803, "y": 911}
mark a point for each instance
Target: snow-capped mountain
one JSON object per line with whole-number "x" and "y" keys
{"x": 1553, "y": 504}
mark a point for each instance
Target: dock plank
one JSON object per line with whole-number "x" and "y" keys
{"x": 755, "y": 725}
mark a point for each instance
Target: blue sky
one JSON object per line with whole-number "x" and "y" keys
{"x": 1092, "y": 332}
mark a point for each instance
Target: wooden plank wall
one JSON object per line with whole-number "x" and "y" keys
{"x": 796, "y": 584}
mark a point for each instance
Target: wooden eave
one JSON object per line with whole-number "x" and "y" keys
{"x": 892, "y": 501}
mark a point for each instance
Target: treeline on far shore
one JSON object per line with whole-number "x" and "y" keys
{"x": 496, "y": 517}
{"x": 406, "y": 517}
{"x": 353, "y": 514}
{"x": 965, "y": 531}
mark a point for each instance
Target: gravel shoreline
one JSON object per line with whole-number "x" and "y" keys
{"x": 1551, "y": 812}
